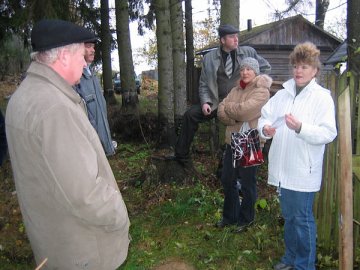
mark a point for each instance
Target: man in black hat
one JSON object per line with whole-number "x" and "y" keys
{"x": 72, "y": 208}
{"x": 90, "y": 90}
{"x": 219, "y": 74}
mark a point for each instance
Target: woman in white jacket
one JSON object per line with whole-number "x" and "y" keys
{"x": 301, "y": 120}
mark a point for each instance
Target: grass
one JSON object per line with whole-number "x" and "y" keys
{"x": 176, "y": 221}
{"x": 182, "y": 227}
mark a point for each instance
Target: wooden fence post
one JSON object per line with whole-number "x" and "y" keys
{"x": 326, "y": 206}
{"x": 346, "y": 251}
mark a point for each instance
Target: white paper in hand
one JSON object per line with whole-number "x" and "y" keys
{"x": 278, "y": 122}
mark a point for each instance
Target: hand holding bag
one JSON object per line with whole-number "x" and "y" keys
{"x": 246, "y": 150}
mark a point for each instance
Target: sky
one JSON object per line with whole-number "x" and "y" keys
{"x": 259, "y": 11}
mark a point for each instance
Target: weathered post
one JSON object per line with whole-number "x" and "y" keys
{"x": 346, "y": 251}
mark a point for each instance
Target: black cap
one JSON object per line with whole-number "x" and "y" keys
{"x": 227, "y": 29}
{"x": 52, "y": 33}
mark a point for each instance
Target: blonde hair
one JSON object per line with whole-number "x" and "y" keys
{"x": 306, "y": 53}
{"x": 50, "y": 56}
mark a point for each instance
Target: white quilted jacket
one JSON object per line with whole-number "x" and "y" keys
{"x": 295, "y": 160}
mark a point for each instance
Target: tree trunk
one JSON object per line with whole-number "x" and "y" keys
{"x": 127, "y": 74}
{"x": 321, "y": 9}
{"x": 165, "y": 64}
{"x": 353, "y": 39}
{"x": 106, "y": 52}
{"x": 179, "y": 69}
{"x": 189, "y": 49}
{"x": 230, "y": 12}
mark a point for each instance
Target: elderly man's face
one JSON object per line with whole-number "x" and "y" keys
{"x": 77, "y": 64}
{"x": 89, "y": 52}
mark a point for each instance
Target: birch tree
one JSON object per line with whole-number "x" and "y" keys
{"x": 106, "y": 51}
{"x": 165, "y": 64}
{"x": 178, "y": 54}
{"x": 353, "y": 30}
{"x": 230, "y": 12}
{"x": 127, "y": 74}
{"x": 189, "y": 34}
{"x": 320, "y": 12}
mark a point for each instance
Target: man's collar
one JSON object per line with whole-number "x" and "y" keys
{"x": 226, "y": 53}
{"x": 88, "y": 70}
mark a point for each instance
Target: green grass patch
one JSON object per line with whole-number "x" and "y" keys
{"x": 182, "y": 226}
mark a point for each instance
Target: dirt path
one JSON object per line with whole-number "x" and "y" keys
{"x": 174, "y": 264}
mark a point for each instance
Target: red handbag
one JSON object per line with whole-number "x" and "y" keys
{"x": 246, "y": 150}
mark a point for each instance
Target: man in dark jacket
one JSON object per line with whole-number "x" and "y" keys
{"x": 90, "y": 90}
{"x": 219, "y": 74}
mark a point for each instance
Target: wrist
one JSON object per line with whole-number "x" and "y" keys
{"x": 263, "y": 131}
{"x": 299, "y": 129}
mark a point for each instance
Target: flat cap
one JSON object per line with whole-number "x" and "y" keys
{"x": 227, "y": 29}
{"x": 52, "y": 33}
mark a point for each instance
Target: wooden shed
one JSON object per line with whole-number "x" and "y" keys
{"x": 276, "y": 40}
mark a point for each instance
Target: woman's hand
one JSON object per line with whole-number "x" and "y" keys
{"x": 268, "y": 131}
{"x": 292, "y": 123}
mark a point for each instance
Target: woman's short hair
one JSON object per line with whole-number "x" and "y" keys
{"x": 306, "y": 53}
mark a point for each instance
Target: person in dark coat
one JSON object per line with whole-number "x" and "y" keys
{"x": 90, "y": 90}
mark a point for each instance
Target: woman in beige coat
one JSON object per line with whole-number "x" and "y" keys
{"x": 243, "y": 104}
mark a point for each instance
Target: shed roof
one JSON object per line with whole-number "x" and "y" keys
{"x": 338, "y": 55}
{"x": 247, "y": 35}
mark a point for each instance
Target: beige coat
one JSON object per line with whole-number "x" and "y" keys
{"x": 73, "y": 211}
{"x": 244, "y": 105}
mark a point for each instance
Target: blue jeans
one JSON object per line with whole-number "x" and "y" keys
{"x": 235, "y": 212}
{"x": 299, "y": 229}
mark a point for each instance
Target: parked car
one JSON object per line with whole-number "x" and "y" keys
{"x": 117, "y": 84}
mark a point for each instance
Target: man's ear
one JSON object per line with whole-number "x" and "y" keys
{"x": 63, "y": 55}
{"x": 222, "y": 40}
